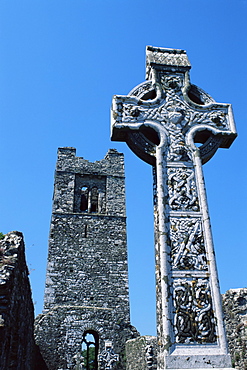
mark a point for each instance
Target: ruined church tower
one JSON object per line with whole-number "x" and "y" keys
{"x": 86, "y": 304}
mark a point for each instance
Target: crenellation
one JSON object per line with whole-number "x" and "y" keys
{"x": 111, "y": 165}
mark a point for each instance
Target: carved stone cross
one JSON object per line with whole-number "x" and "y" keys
{"x": 162, "y": 120}
{"x": 107, "y": 358}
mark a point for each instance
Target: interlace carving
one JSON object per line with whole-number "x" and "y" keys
{"x": 182, "y": 115}
{"x": 172, "y": 83}
{"x": 182, "y": 189}
{"x": 177, "y": 108}
{"x": 194, "y": 318}
{"x": 174, "y": 114}
{"x": 187, "y": 244}
{"x": 142, "y": 89}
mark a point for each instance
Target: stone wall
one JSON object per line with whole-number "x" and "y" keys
{"x": 141, "y": 353}
{"x": 87, "y": 271}
{"x": 16, "y": 307}
{"x": 235, "y": 308}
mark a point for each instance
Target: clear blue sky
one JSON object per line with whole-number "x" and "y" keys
{"x": 61, "y": 63}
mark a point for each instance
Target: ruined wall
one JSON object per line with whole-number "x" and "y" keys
{"x": 235, "y": 309}
{"x": 141, "y": 353}
{"x": 16, "y": 307}
{"x": 87, "y": 271}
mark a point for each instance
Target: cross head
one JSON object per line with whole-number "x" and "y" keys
{"x": 176, "y": 127}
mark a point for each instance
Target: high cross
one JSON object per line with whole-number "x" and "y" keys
{"x": 176, "y": 127}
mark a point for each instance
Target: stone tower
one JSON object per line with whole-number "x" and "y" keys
{"x": 86, "y": 304}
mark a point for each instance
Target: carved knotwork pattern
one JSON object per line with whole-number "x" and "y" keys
{"x": 174, "y": 114}
{"x": 194, "y": 320}
{"x": 182, "y": 189}
{"x": 172, "y": 118}
{"x": 173, "y": 102}
{"x": 174, "y": 106}
{"x": 142, "y": 89}
{"x": 187, "y": 244}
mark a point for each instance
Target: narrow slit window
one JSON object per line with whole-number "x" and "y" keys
{"x": 84, "y": 199}
{"x": 94, "y": 199}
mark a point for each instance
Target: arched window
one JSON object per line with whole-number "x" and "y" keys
{"x": 84, "y": 199}
{"x": 90, "y": 348}
{"x": 94, "y": 199}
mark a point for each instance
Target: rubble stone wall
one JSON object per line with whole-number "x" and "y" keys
{"x": 235, "y": 309}
{"x": 141, "y": 353}
{"x": 16, "y": 307}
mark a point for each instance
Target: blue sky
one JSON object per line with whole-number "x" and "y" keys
{"x": 61, "y": 63}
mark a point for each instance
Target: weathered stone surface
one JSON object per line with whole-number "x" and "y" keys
{"x": 141, "y": 353}
{"x": 16, "y": 306}
{"x": 235, "y": 309}
{"x": 161, "y": 120}
{"x": 87, "y": 272}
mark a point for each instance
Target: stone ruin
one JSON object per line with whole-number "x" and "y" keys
{"x": 16, "y": 307}
{"x": 85, "y": 323}
{"x": 235, "y": 309}
{"x": 86, "y": 303}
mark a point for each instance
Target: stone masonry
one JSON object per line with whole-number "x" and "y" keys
{"x": 235, "y": 309}
{"x": 162, "y": 120}
{"x": 16, "y": 306}
{"x": 87, "y": 274}
{"x": 141, "y": 353}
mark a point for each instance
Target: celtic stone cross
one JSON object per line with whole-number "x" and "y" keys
{"x": 176, "y": 127}
{"x": 107, "y": 358}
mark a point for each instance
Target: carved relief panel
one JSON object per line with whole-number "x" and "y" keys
{"x": 194, "y": 320}
{"x": 182, "y": 189}
{"x": 187, "y": 244}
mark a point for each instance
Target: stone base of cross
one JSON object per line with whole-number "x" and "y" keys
{"x": 163, "y": 120}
